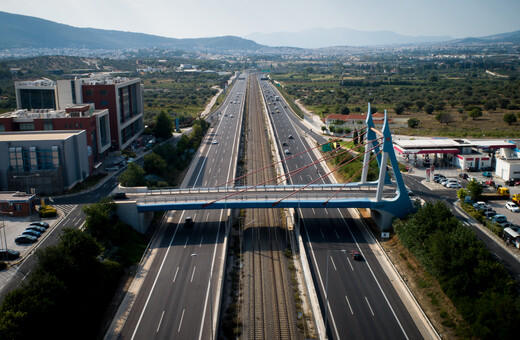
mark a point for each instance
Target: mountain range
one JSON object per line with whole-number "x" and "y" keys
{"x": 326, "y": 37}
{"x": 20, "y": 31}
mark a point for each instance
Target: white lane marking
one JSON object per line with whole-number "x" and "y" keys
{"x": 326, "y": 211}
{"x": 314, "y": 212}
{"x": 185, "y": 244}
{"x": 201, "y": 238}
{"x": 160, "y": 320}
{"x": 175, "y": 276}
{"x": 207, "y": 217}
{"x": 348, "y": 302}
{"x": 374, "y": 276}
{"x": 193, "y": 273}
{"x": 337, "y": 236}
{"x": 156, "y": 278}
{"x": 368, "y": 303}
{"x": 333, "y": 264}
{"x": 209, "y": 173}
{"x": 180, "y": 323}
{"x": 350, "y": 264}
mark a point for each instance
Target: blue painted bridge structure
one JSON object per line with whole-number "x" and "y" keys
{"x": 387, "y": 197}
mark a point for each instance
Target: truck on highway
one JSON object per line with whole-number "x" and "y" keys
{"x": 277, "y": 98}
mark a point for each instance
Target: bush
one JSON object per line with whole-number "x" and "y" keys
{"x": 47, "y": 211}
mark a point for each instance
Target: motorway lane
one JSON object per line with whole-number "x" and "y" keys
{"x": 387, "y": 315}
{"x": 175, "y": 299}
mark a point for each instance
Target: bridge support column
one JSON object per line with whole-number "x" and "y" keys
{"x": 382, "y": 177}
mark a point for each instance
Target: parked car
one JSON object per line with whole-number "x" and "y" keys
{"x": 35, "y": 227}
{"x": 490, "y": 182}
{"x": 9, "y": 254}
{"x": 464, "y": 175}
{"x": 499, "y": 219}
{"x": 472, "y": 169}
{"x": 32, "y": 233}
{"x": 112, "y": 168}
{"x": 488, "y": 168}
{"x": 487, "y": 174}
{"x": 489, "y": 214}
{"x": 25, "y": 239}
{"x": 453, "y": 185}
{"x": 480, "y": 205}
{"x": 443, "y": 181}
{"x": 511, "y": 206}
{"x": 41, "y": 224}
{"x": 451, "y": 181}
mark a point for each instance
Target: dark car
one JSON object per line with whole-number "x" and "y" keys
{"x": 291, "y": 137}
{"x": 284, "y": 144}
{"x": 25, "y": 239}
{"x": 119, "y": 196}
{"x": 35, "y": 227}
{"x": 41, "y": 224}
{"x": 31, "y": 232}
{"x": 356, "y": 256}
{"x": 9, "y": 254}
{"x": 188, "y": 222}
{"x": 464, "y": 175}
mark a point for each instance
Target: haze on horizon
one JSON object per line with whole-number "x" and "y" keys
{"x": 207, "y": 18}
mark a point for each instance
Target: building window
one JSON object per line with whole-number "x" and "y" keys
{"x": 47, "y": 124}
{"x": 26, "y": 126}
{"x": 103, "y": 92}
{"x": 88, "y": 92}
{"x": 104, "y": 103}
{"x": 81, "y": 125}
{"x": 2, "y": 128}
{"x": 18, "y": 207}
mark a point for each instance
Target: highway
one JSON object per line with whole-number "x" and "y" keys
{"x": 362, "y": 303}
{"x": 179, "y": 297}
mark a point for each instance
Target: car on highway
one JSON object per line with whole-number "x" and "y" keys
{"x": 41, "y": 224}
{"x": 487, "y": 174}
{"x": 511, "y": 206}
{"x": 25, "y": 239}
{"x": 9, "y": 254}
{"x": 291, "y": 137}
{"x": 356, "y": 256}
{"x": 287, "y": 152}
{"x": 31, "y": 232}
{"x": 119, "y": 196}
{"x": 188, "y": 221}
{"x": 284, "y": 144}
{"x": 35, "y": 227}
{"x": 214, "y": 141}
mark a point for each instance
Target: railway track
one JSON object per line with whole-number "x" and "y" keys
{"x": 269, "y": 309}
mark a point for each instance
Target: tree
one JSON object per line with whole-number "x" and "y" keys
{"x": 420, "y": 104}
{"x": 344, "y": 110}
{"x": 444, "y": 117}
{"x": 509, "y": 118}
{"x": 475, "y": 113}
{"x": 133, "y": 176}
{"x": 399, "y": 108}
{"x": 474, "y": 189}
{"x": 429, "y": 108}
{"x": 355, "y": 138}
{"x": 163, "y": 125}
{"x": 154, "y": 164}
{"x": 413, "y": 122}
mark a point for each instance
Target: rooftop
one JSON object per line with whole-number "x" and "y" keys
{"x": 77, "y": 110}
{"x": 10, "y": 196}
{"x": 37, "y": 135}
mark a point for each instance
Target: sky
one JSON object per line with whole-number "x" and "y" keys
{"x": 210, "y": 18}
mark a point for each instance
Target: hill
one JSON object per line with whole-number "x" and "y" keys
{"x": 20, "y": 31}
{"x": 326, "y": 37}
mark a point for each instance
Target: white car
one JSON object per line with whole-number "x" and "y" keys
{"x": 454, "y": 185}
{"x": 214, "y": 141}
{"x": 512, "y": 207}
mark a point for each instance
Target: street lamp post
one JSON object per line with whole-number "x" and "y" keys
{"x": 3, "y": 228}
{"x": 327, "y": 286}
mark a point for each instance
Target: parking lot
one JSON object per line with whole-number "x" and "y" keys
{"x": 14, "y": 226}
